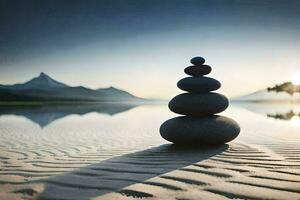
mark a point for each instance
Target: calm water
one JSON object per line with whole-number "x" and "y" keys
{"x": 127, "y": 127}
{"x": 41, "y": 142}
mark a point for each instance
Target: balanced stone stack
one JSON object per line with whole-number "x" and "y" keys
{"x": 200, "y": 125}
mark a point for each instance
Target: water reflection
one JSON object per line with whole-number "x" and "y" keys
{"x": 291, "y": 115}
{"x": 281, "y": 111}
{"x": 43, "y": 115}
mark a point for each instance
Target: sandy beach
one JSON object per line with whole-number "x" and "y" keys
{"x": 55, "y": 162}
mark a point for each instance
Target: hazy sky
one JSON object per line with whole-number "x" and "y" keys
{"x": 143, "y": 46}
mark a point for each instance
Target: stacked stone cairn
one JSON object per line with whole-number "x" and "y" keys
{"x": 200, "y": 125}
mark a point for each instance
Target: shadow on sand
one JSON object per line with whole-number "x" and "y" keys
{"x": 118, "y": 172}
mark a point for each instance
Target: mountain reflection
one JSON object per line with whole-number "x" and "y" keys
{"x": 281, "y": 111}
{"x": 43, "y": 115}
{"x": 284, "y": 116}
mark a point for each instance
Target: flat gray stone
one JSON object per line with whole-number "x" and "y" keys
{"x": 198, "y": 70}
{"x": 198, "y": 60}
{"x": 200, "y": 104}
{"x": 198, "y": 84}
{"x": 208, "y": 130}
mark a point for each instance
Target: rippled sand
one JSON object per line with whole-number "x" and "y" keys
{"x": 241, "y": 172}
{"x": 122, "y": 157}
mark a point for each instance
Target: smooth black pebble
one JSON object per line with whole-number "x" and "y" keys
{"x": 193, "y": 104}
{"x": 199, "y": 70}
{"x": 208, "y": 130}
{"x": 197, "y": 60}
{"x": 198, "y": 84}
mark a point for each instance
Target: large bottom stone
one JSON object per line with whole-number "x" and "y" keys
{"x": 208, "y": 130}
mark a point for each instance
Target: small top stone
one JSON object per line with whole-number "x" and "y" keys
{"x": 197, "y": 60}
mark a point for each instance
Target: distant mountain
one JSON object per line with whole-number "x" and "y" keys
{"x": 287, "y": 87}
{"x": 44, "y": 88}
{"x": 42, "y": 82}
{"x": 115, "y": 93}
{"x": 286, "y": 92}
